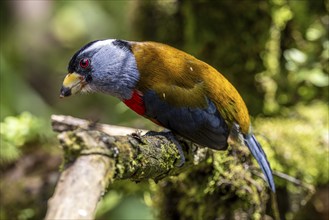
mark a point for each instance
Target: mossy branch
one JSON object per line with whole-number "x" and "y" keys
{"x": 95, "y": 156}
{"x": 211, "y": 184}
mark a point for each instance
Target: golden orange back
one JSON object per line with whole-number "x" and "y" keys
{"x": 183, "y": 80}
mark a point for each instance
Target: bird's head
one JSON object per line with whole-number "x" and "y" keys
{"x": 107, "y": 66}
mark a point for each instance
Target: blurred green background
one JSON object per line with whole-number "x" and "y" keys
{"x": 275, "y": 52}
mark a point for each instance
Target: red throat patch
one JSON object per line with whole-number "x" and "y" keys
{"x": 136, "y": 102}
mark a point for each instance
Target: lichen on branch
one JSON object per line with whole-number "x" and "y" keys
{"x": 224, "y": 180}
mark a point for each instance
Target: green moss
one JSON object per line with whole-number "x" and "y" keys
{"x": 218, "y": 187}
{"x": 227, "y": 185}
{"x": 16, "y": 132}
{"x": 72, "y": 148}
{"x": 125, "y": 163}
{"x": 298, "y": 143}
{"x": 170, "y": 154}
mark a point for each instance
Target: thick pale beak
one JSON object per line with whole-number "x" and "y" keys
{"x": 72, "y": 84}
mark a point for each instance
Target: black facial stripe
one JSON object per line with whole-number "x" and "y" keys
{"x": 122, "y": 44}
{"x": 88, "y": 78}
{"x": 72, "y": 62}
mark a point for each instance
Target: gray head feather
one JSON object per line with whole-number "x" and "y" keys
{"x": 113, "y": 68}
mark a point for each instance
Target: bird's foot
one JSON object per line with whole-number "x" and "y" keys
{"x": 169, "y": 135}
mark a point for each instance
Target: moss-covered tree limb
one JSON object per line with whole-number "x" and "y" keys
{"x": 93, "y": 159}
{"x": 211, "y": 184}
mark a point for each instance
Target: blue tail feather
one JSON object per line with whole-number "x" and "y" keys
{"x": 257, "y": 151}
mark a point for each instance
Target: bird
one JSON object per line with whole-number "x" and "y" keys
{"x": 169, "y": 87}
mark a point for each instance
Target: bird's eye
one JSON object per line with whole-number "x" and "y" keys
{"x": 84, "y": 63}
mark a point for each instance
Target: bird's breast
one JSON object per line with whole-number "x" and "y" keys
{"x": 136, "y": 102}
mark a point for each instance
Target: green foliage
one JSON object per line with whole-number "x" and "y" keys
{"x": 124, "y": 193}
{"x": 26, "y": 214}
{"x": 299, "y": 143}
{"x": 16, "y": 132}
{"x": 221, "y": 187}
{"x": 109, "y": 201}
{"x": 118, "y": 209}
{"x": 281, "y": 14}
{"x": 297, "y": 69}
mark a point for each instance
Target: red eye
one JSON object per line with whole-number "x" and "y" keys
{"x": 84, "y": 63}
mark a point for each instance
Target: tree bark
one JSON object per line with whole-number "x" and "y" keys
{"x": 94, "y": 156}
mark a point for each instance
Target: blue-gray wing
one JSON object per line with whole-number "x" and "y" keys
{"x": 204, "y": 126}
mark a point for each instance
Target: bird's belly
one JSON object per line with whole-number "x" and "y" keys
{"x": 202, "y": 126}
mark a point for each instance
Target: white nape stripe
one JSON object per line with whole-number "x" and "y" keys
{"x": 99, "y": 44}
